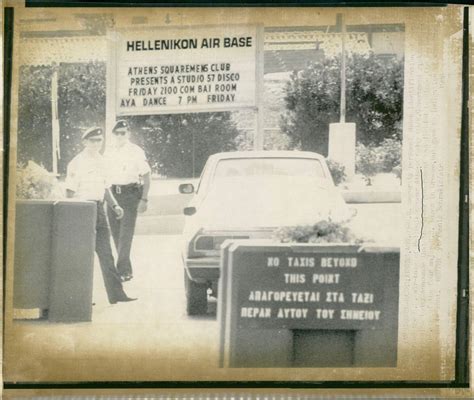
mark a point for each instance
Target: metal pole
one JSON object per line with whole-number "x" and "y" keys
{"x": 343, "y": 71}
{"x": 110, "y": 93}
{"x": 54, "y": 120}
{"x": 194, "y": 155}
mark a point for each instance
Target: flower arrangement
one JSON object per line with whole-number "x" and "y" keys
{"x": 324, "y": 231}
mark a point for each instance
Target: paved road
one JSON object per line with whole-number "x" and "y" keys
{"x": 376, "y": 221}
{"x": 151, "y": 338}
{"x": 158, "y": 283}
{"x": 380, "y": 222}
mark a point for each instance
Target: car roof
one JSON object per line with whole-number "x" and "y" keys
{"x": 266, "y": 154}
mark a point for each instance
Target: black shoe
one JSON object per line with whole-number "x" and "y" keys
{"x": 127, "y": 299}
{"x": 124, "y": 299}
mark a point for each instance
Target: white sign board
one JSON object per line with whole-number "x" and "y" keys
{"x": 178, "y": 70}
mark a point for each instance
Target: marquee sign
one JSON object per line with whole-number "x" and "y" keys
{"x": 178, "y": 70}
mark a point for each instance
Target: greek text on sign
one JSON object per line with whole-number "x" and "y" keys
{"x": 323, "y": 290}
{"x": 178, "y": 70}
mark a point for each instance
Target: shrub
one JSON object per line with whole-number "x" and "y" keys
{"x": 35, "y": 182}
{"x": 372, "y": 160}
{"x": 338, "y": 171}
{"x": 397, "y": 171}
{"x": 390, "y": 152}
{"x": 366, "y": 161}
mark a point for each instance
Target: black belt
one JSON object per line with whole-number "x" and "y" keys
{"x": 125, "y": 188}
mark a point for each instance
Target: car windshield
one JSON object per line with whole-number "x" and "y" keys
{"x": 254, "y": 167}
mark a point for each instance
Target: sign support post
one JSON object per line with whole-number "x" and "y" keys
{"x": 110, "y": 82}
{"x": 343, "y": 71}
{"x": 56, "y": 155}
{"x": 342, "y": 135}
{"x": 259, "y": 80}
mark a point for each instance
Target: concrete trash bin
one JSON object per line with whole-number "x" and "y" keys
{"x": 33, "y": 233}
{"x": 308, "y": 305}
{"x": 54, "y": 258}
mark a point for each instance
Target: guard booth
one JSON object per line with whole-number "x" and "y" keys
{"x": 308, "y": 305}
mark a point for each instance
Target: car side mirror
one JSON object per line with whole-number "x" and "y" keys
{"x": 186, "y": 188}
{"x": 189, "y": 210}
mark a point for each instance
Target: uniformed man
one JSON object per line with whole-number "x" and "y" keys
{"x": 87, "y": 180}
{"x": 130, "y": 178}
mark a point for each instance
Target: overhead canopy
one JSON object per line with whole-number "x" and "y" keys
{"x": 80, "y": 37}
{"x": 45, "y": 51}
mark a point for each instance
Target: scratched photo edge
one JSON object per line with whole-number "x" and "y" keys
{"x": 12, "y": 190}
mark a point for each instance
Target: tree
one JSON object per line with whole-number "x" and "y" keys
{"x": 374, "y": 101}
{"x": 81, "y": 105}
{"x": 81, "y": 98}
{"x": 34, "y": 115}
{"x": 375, "y": 98}
{"x": 170, "y": 140}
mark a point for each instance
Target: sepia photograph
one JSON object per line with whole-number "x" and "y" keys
{"x": 234, "y": 194}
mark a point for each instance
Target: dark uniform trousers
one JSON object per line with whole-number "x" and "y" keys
{"x": 128, "y": 197}
{"x": 112, "y": 282}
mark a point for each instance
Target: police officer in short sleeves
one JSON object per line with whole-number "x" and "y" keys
{"x": 130, "y": 179}
{"x": 87, "y": 180}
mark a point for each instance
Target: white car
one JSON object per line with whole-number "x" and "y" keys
{"x": 243, "y": 195}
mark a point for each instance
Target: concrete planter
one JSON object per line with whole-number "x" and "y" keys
{"x": 308, "y": 305}
{"x": 54, "y": 258}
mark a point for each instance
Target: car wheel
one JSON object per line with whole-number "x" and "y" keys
{"x": 196, "y": 296}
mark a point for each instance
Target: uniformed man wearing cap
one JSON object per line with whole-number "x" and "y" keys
{"x": 87, "y": 180}
{"x": 130, "y": 179}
